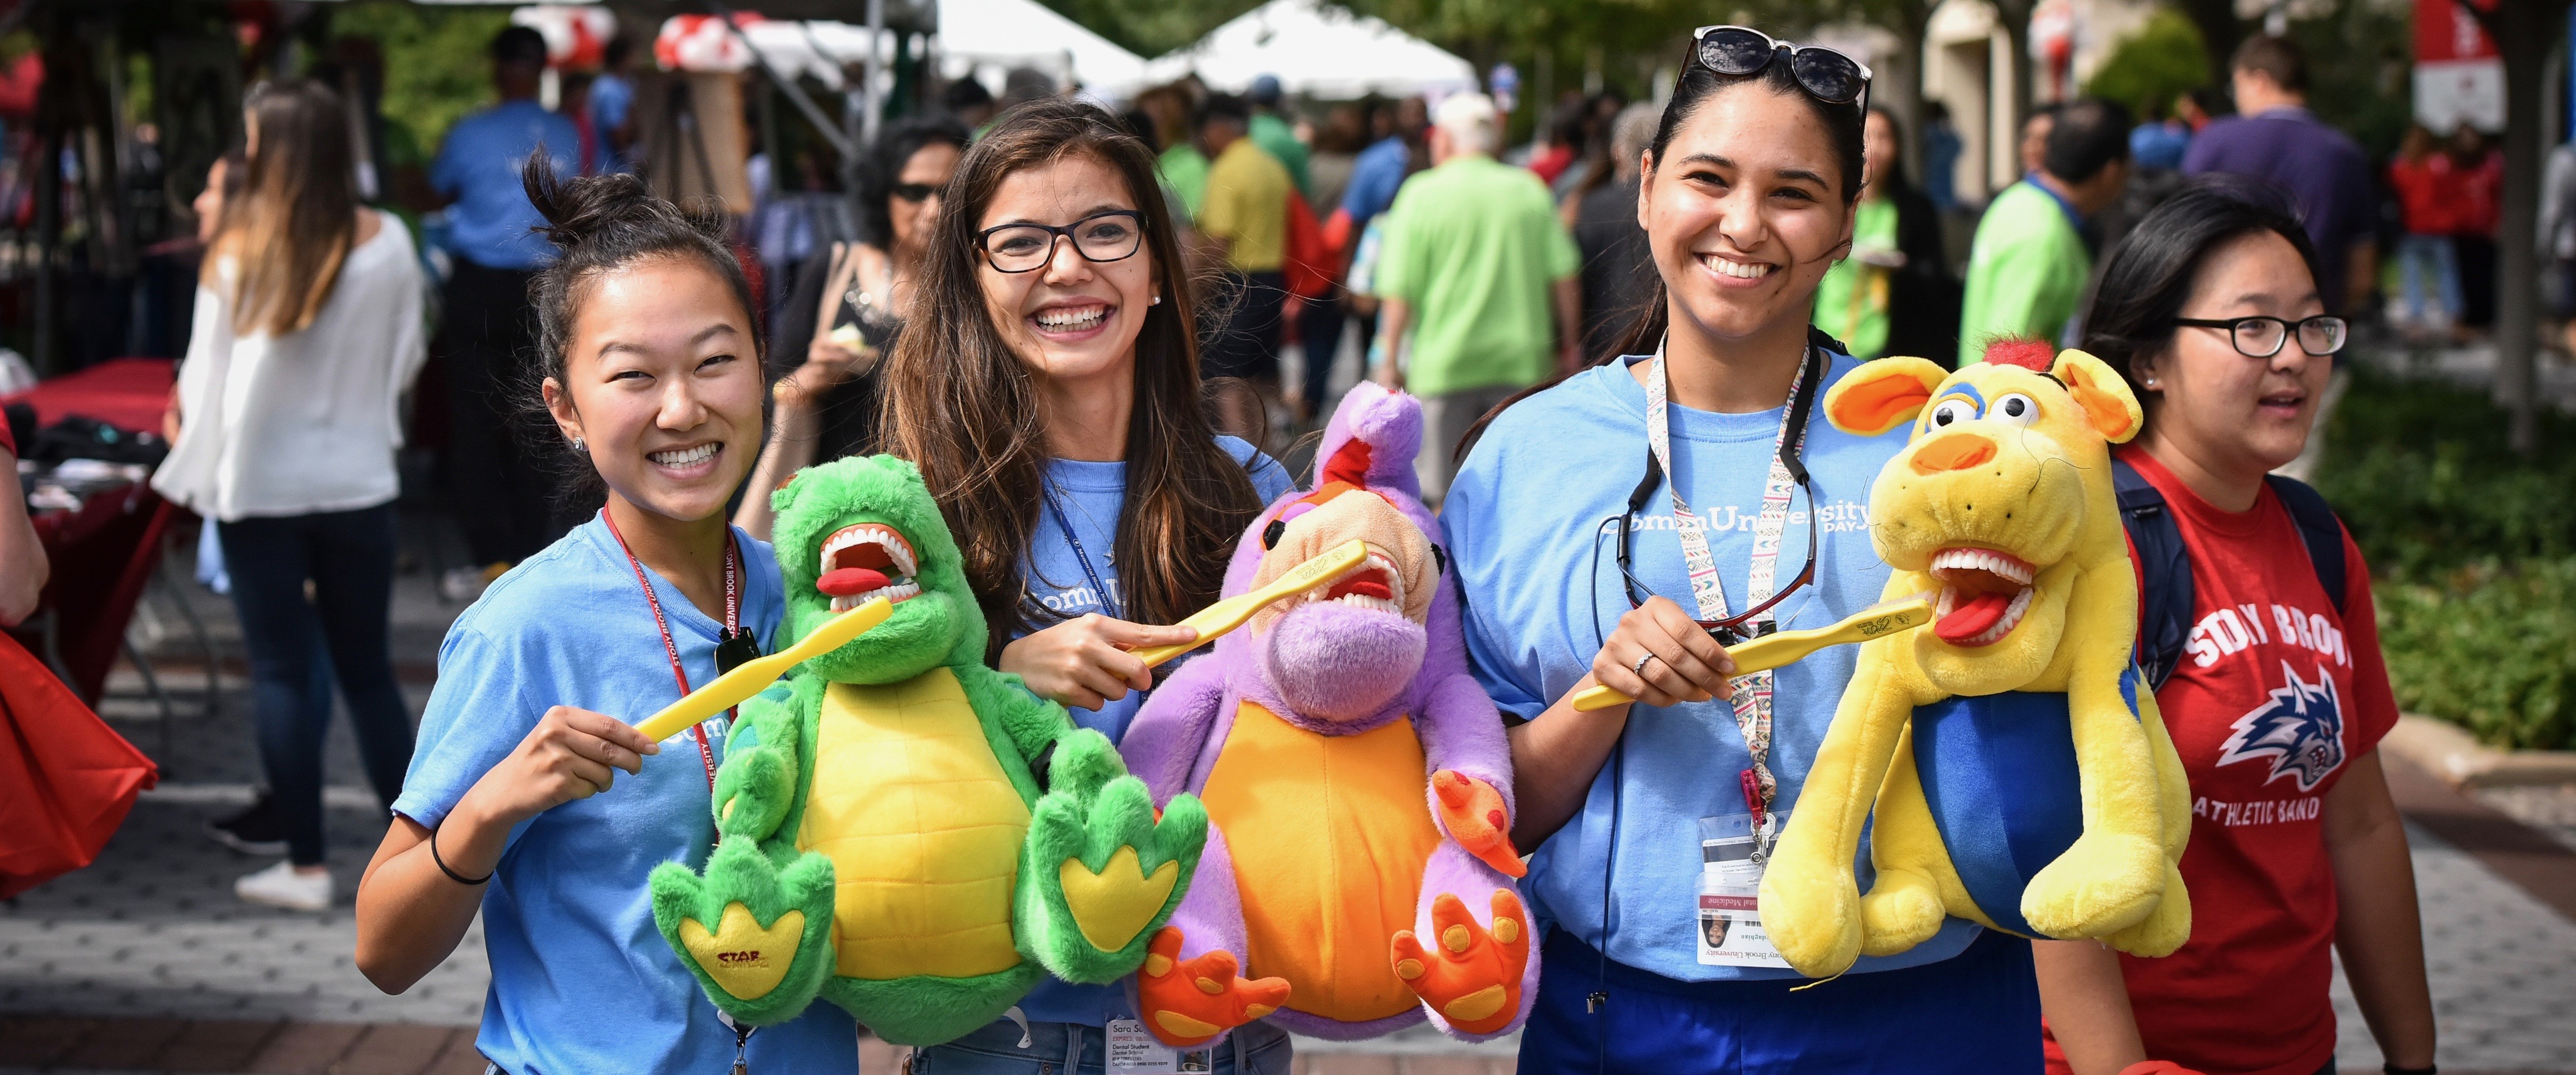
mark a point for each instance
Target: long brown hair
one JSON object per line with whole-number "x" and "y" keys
{"x": 961, "y": 405}
{"x": 296, "y": 216}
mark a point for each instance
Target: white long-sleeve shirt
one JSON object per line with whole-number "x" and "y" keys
{"x": 307, "y": 422}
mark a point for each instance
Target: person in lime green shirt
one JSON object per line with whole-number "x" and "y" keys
{"x": 1274, "y": 135}
{"x": 1475, "y": 257}
{"x": 1185, "y": 170}
{"x": 2028, "y": 268}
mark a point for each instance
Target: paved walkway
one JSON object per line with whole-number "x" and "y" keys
{"x": 146, "y": 962}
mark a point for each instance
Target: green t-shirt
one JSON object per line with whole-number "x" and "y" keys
{"x": 1851, "y": 301}
{"x": 2025, "y": 273}
{"x": 1186, "y": 169}
{"x": 1273, "y": 134}
{"x": 1473, "y": 245}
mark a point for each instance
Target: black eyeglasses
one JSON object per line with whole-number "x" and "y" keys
{"x": 1732, "y": 629}
{"x": 1108, "y": 235}
{"x": 915, "y": 193}
{"x": 2262, "y": 336}
{"x": 1828, "y": 74}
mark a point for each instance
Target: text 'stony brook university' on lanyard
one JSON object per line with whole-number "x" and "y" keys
{"x": 1752, "y": 698}
{"x": 734, "y": 637}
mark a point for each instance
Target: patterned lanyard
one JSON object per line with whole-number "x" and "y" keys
{"x": 732, "y": 626}
{"x": 1752, "y": 698}
{"x": 1108, "y": 604}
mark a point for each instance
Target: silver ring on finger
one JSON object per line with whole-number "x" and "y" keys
{"x": 1640, "y": 667}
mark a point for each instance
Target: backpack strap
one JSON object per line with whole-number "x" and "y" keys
{"x": 2319, "y": 530}
{"x": 2164, "y": 572}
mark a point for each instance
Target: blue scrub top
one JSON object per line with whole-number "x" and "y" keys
{"x": 582, "y": 981}
{"x": 1525, "y": 519}
{"x": 1092, "y": 495}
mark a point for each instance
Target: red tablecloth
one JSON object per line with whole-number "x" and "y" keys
{"x": 128, "y": 393}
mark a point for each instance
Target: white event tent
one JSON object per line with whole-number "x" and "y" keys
{"x": 1317, "y": 50}
{"x": 974, "y": 35}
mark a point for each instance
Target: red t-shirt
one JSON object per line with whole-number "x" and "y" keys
{"x": 2274, "y": 695}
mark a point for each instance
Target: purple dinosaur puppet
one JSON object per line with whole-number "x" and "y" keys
{"x": 1359, "y": 859}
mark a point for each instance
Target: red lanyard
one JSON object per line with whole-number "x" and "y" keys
{"x": 732, "y": 625}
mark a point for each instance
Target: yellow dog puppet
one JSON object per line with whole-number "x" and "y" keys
{"x": 2020, "y": 775}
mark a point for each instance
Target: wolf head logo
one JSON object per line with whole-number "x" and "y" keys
{"x": 2299, "y": 729}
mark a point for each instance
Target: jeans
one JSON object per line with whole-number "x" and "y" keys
{"x": 348, "y": 556}
{"x": 2429, "y": 263}
{"x": 1074, "y": 1049}
{"x": 1319, "y": 333}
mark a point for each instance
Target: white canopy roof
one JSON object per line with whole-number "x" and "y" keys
{"x": 972, "y": 34}
{"x": 1316, "y": 49}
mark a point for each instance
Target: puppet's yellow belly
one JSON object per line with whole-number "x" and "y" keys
{"x": 1330, "y": 835}
{"x": 923, "y": 829}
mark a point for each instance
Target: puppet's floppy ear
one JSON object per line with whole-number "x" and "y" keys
{"x": 1882, "y": 395}
{"x": 1371, "y": 440}
{"x": 2106, "y": 399}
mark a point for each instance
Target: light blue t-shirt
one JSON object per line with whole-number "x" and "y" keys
{"x": 1092, "y": 495}
{"x": 581, "y": 979}
{"x": 1523, "y": 516}
{"x": 478, "y": 166}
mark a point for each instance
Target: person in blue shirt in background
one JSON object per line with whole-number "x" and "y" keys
{"x": 612, "y": 106}
{"x": 1047, "y": 385}
{"x": 531, "y": 798}
{"x": 1576, "y": 572}
{"x": 500, "y": 498}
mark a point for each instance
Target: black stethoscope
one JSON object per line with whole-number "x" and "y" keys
{"x": 1793, "y": 438}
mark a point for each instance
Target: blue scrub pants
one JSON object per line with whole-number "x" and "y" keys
{"x": 1976, "y": 1013}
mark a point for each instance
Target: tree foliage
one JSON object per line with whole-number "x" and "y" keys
{"x": 437, "y": 66}
{"x": 2163, "y": 59}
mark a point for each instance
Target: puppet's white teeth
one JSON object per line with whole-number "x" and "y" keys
{"x": 897, "y": 550}
{"x": 1373, "y": 604}
{"x": 1986, "y": 560}
{"x": 897, "y": 592}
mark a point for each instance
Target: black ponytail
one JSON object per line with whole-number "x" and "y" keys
{"x": 600, "y": 224}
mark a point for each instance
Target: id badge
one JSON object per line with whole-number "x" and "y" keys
{"x": 1134, "y": 1050}
{"x": 1729, "y": 921}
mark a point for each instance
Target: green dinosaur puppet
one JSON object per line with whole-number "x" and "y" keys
{"x": 883, "y": 842}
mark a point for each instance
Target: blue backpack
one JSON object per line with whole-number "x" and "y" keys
{"x": 2164, "y": 565}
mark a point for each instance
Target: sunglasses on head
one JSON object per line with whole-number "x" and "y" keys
{"x": 1826, "y": 74}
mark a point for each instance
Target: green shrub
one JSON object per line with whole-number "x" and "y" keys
{"x": 2421, "y": 474}
{"x": 2489, "y": 649}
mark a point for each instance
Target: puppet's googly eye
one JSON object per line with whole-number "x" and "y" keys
{"x": 1271, "y": 534}
{"x": 1952, "y": 410}
{"x": 2014, "y": 409}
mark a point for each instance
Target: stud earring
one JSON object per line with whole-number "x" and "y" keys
{"x": 1158, "y": 300}
{"x": 577, "y": 445}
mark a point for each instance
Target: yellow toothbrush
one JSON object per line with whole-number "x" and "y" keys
{"x": 733, "y": 688}
{"x": 1774, "y": 650}
{"x": 1230, "y": 613}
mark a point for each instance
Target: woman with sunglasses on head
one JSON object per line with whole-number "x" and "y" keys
{"x": 1049, "y": 390}
{"x": 1747, "y": 198}
{"x": 847, "y": 308}
{"x": 2270, "y": 682}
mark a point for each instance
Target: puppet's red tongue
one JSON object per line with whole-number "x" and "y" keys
{"x": 1972, "y": 617}
{"x": 1368, "y": 587}
{"x": 850, "y": 581}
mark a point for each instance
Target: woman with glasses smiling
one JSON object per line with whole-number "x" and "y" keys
{"x": 2270, "y": 682}
{"x": 848, "y": 306}
{"x": 1048, "y": 387}
{"x": 1581, "y": 521}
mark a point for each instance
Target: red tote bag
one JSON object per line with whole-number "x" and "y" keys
{"x": 66, "y": 778}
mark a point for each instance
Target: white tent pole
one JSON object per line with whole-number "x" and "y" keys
{"x": 873, "y": 93}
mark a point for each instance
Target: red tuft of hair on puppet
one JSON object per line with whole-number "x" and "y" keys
{"x": 2033, "y": 355}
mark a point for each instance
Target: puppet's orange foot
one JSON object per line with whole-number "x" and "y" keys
{"x": 1188, "y": 1002}
{"x": 1472, "y": 976}
{"x": 1472, "y": 811}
